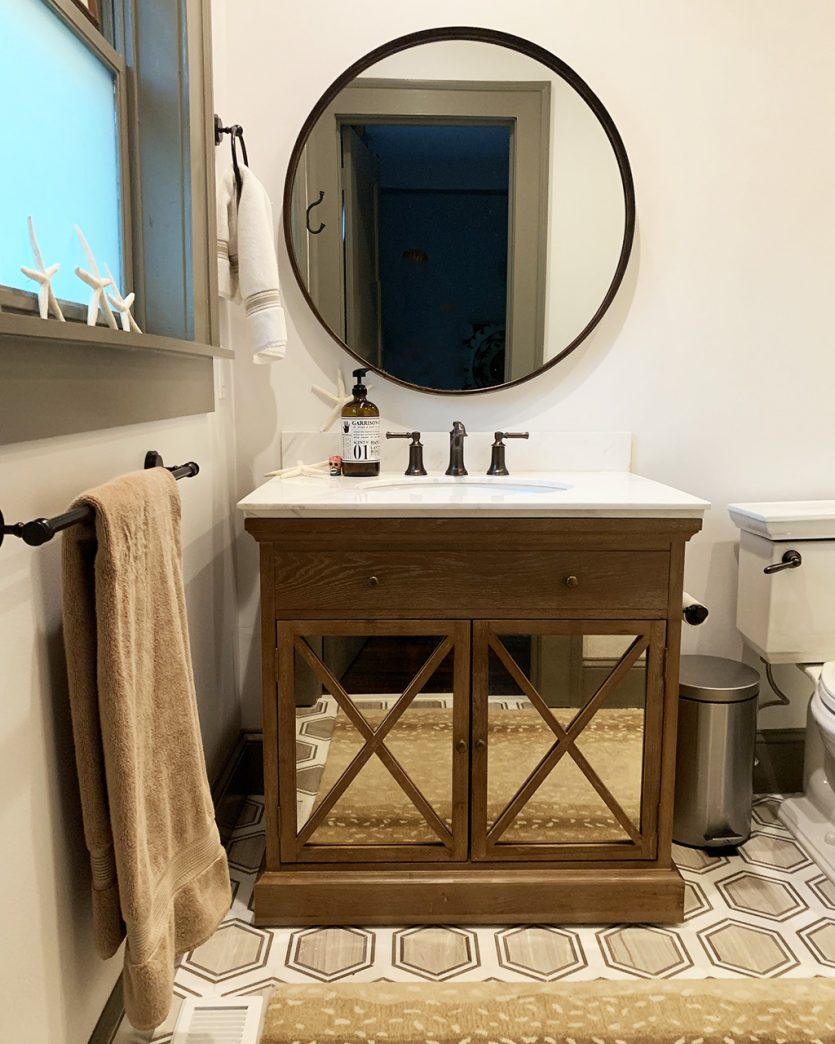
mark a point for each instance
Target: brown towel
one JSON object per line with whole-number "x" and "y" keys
{"x": 160, "y": 877}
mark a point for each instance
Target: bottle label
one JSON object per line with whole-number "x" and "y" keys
{"x": 361, "y": 440}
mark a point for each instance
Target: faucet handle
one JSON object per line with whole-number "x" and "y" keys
{"x": 415, "y": 451}
{"x": 497, "y": 455}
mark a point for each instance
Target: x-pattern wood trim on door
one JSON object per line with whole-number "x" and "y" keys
{"x": 298, "y": 842}
{"x": 641, "y": 837}
{"x": 565, "y": 738}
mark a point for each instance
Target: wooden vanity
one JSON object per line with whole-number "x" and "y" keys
{"x": 469, "y": 719}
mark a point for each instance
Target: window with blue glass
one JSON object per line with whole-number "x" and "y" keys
{"x": 61, "y": 154}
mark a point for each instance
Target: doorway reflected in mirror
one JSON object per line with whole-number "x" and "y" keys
{"x": 426, "y": 226}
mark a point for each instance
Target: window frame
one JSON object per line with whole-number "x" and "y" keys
{"x": 25, "y": 302}
{"x": 91, "y": 9}
{"x": 52, "y": 374}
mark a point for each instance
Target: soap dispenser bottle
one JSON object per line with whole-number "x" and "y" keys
{"x": 360, "y": 432}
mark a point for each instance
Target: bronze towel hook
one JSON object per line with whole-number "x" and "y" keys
{"x": 310, "y": 206}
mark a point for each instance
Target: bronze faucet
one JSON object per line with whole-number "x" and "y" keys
{"x": 456, "y": 449}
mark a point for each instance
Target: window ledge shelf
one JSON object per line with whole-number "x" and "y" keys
{"x": 60, "y": 378}
{"x": 34, "y": 330}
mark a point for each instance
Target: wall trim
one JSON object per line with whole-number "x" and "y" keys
{"x": 62, "y": 382}
{"x": 779, "y": 767}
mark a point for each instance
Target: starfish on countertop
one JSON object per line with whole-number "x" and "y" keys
{"x": 98, "y": 299}
{"x": 43, "y": 277}
{"x": 338, "y": 398}
{"x": 299, "y": 470}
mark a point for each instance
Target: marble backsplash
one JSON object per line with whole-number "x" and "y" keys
{"x": 543, "y": 451}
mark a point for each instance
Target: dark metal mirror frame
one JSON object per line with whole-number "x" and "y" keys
{"x": 515, "y": 43}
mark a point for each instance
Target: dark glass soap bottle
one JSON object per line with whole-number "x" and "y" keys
{"x": 360, "y": 433}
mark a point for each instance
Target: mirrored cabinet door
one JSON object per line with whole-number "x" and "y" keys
{"x": 373, "y": 740}
{"x": 564, "y": 766}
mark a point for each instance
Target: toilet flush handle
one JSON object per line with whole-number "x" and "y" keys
{"x": 790, "y": 560}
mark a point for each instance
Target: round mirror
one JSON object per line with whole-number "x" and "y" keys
{"x": 459, "y": 210}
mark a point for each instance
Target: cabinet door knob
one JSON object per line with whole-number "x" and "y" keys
{"x": 480, "y": 744}
{"x": 461, "y": 746}
{"x": 571, "y": 581}
{"x": 373, "y": 581}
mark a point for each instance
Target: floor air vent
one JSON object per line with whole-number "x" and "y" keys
{"x": 219, "y": 1020}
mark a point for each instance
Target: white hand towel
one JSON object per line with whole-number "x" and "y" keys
{"x": 227, "y": 233}
{"x": 247, "y": 266}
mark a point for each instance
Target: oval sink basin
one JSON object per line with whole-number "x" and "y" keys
{"x": 497, "y": 487}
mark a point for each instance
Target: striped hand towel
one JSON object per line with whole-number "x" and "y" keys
{"x": 247, "y": 267}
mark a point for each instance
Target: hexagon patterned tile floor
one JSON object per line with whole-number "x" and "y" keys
{"x": 763, "y": 911}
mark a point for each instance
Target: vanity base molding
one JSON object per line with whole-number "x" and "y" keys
{"x": 293, "y": 898}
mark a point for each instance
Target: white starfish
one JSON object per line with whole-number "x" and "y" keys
{"x": 122, "y": 304}
{"x": 300, "y": 469}
{"x": 338, "y": 398}
{"x": 98, "y": 299}
{"x": 43, "y": 277}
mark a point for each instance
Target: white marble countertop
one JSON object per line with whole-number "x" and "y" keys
{"x": 609, "y": 494}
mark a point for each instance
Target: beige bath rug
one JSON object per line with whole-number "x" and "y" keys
{"x": 785, "y": 1011}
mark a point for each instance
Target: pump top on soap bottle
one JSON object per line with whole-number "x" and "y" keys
{"x": 360, "y": 432}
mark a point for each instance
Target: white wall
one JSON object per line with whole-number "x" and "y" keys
{"x": 718, "y": 352}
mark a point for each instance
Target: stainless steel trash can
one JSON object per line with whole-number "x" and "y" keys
{"x": 717, "y": 724}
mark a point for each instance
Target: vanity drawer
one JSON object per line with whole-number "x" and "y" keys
{"x": 466, "y": 583}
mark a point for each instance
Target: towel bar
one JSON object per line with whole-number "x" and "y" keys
{"x": 40, "y": 530}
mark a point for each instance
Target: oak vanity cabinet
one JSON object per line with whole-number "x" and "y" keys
{"x": 469, "y": 720}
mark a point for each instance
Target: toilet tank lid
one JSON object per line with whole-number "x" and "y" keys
{"x": 787, "y": 519}
{"x": 714, "y": 679}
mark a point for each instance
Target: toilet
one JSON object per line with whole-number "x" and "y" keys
{"x": 786, "y": 613}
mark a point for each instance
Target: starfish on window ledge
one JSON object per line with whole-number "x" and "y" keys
{"x": 43, "y": 277}
{"x": 98, "y": 299}
{"x": 122, "y": 305}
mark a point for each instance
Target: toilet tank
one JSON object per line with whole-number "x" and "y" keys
{"x": 787, "y": 616}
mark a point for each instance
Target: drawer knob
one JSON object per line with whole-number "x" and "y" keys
{"x": 373, "y": 581}
{"x": 461, "y": 746}
{"x": 571, "y": 581}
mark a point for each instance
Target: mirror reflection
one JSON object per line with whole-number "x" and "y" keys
{"x": 541, "y": 687}
{"x": 457, "y": 215}
{"x": 340, "y": 804}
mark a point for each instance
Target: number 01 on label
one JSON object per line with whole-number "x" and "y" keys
{"x": 361, "y": 439}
